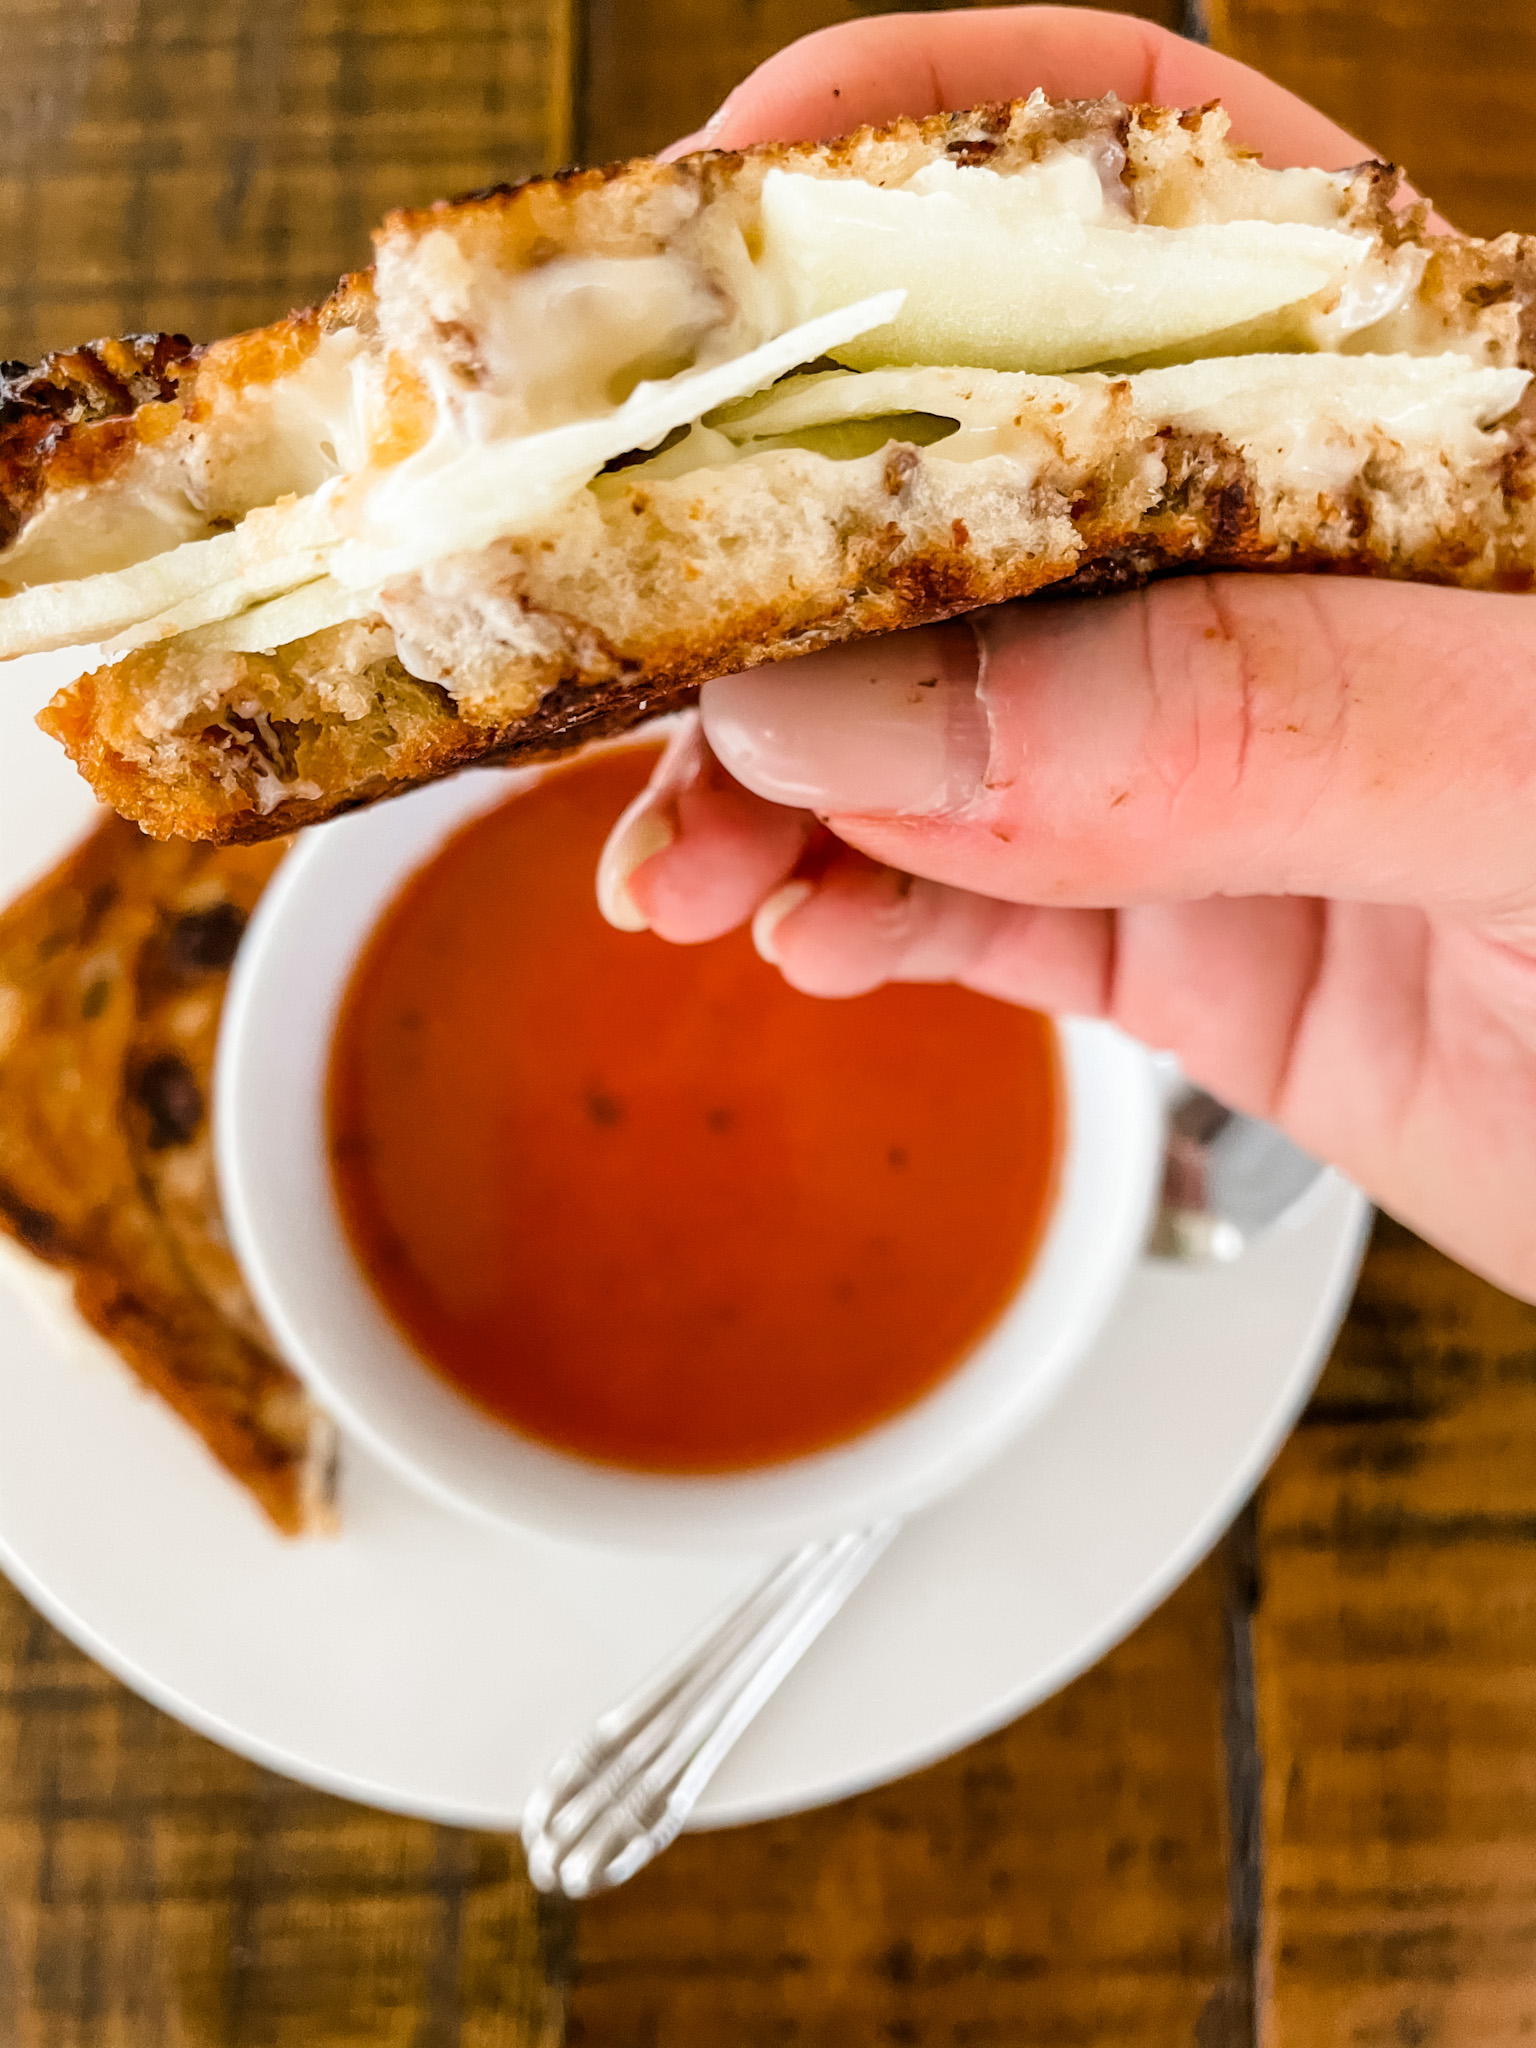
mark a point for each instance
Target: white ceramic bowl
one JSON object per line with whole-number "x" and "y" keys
{"x": 289, "y": 978}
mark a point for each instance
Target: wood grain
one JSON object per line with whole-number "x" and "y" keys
{"x": 157, "y": 1892}
{"x": 1062, "y": 1881}
{"x": 202, "y": 165}
{"x": 1442, "y": 86}
{"x": 1396, "y": 1645}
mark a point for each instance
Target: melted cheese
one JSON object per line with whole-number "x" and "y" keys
{"x": 458, "y": 494}
{"x": 1308, "y": 416}
{"x": 1284, "y": 402}
{"x": 565, "y": 341}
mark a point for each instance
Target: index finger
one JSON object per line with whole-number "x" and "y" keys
{"x": 873, "y": 70}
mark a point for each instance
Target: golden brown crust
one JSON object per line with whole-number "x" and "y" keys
{"x": 536, "y": 218}
{"x": 70, "y": 418}
{"x": 80, "y": 416}
{"x": 411, "y": 734}
{"x": 112, "y": 973}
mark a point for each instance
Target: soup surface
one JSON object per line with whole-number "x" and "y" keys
{"x": 647, "y": 1203}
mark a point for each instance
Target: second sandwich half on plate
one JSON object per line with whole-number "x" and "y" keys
{"x": 573, "y": 447}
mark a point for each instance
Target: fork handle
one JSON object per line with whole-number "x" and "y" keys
{"x": 617, "y": 1798}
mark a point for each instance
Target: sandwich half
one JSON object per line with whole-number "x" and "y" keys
{"x": 574, "y": 447}
{"x": 112, "y": 976}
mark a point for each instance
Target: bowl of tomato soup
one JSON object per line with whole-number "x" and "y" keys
{"x": 634, "y": 1242}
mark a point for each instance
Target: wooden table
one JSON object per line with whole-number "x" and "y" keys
{"x": 1298, "y": 1806}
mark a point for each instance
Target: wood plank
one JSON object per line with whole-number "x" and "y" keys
{"x": 158, "y": 1892}
{"x": 656, "y": 69}
{"x": 1061, "y": 1882}
{"x": 1443, "y": 88}
{"x": 1396, "y": 1652}
{"x": 203, "y": 165}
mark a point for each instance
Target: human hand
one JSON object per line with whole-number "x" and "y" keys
{"x": 1277, "y": 825}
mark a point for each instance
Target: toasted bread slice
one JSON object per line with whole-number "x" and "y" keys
{"x": 576, "y": 446}
{"x": 112, "y": 973}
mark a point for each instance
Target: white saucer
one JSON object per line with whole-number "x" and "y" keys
{"x": 427, "y": 1663}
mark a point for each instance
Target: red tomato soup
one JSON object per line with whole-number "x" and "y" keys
{"x": 647, "y": 1203}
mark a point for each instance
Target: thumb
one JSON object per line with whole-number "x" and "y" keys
{"x": 1223, "y": 735}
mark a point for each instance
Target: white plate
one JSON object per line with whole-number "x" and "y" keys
{"x": 427, "y": 1663}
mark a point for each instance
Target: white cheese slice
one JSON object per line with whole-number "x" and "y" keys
{"x": 1310, "y": 414}
{"x": 1305, "y": 418}
{"x": 1031, "y": 272}
{"x": 1440, "y": 398}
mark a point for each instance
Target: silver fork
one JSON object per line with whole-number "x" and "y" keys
{"x": 620, "y": 1796}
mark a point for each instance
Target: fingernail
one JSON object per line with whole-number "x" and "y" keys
{"x": 648, "y": 824}
{"x": 716, "y": 122}
{"x": 701, "y": 138}
{"x": 642, "y": 830}
{"x": 771, "y": 913}
{"x": 894, "y": 727}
